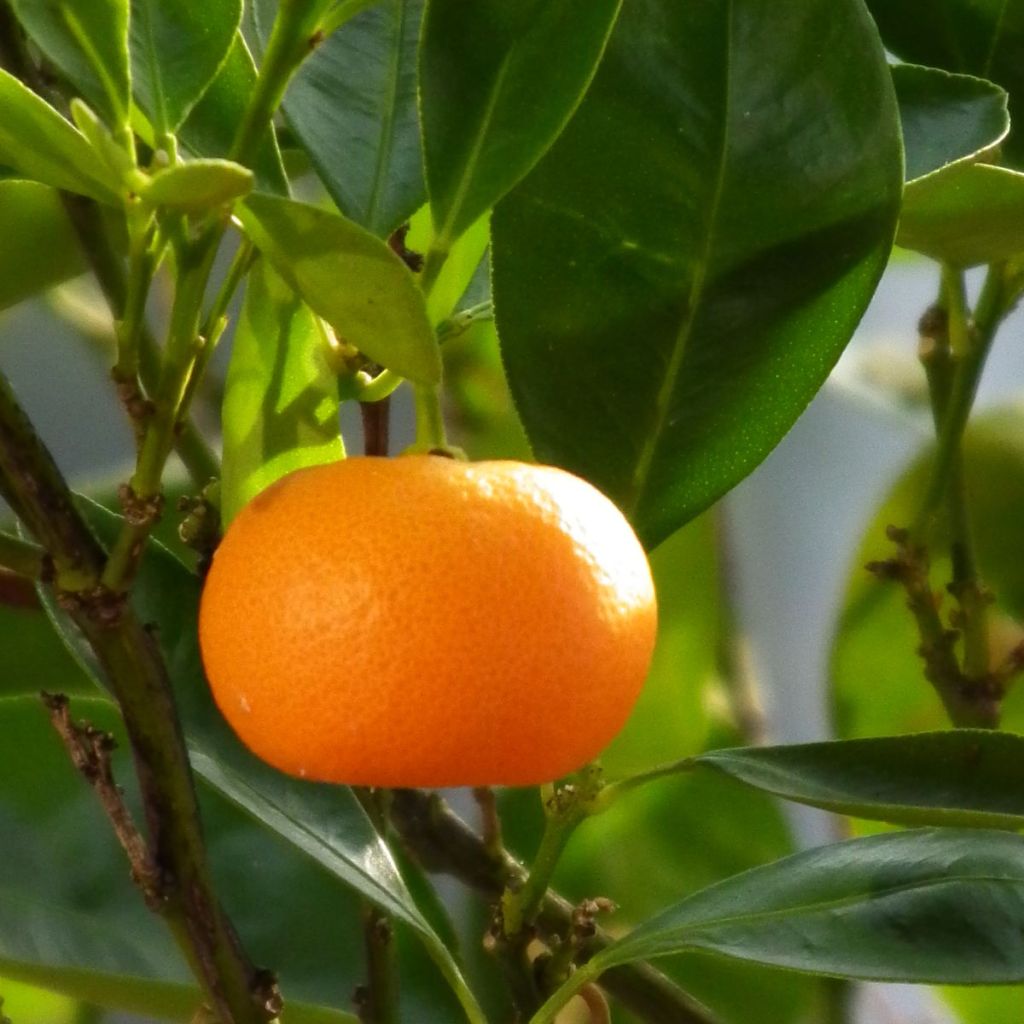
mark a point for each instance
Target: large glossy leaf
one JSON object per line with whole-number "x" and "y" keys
{"x": 969, "y": 214}
{"x": 941, "y": 905}
{"x": 177, "y": 47}
{"x": 353, "y": 106}
{"x": 280, "y": 409}
{"x": 88, "y": 42}
{"x": 39, "y": 143}
{"x": 38, "y": 248}
{"x": 946, "y": 118}
{"x": 350, "y": 278}
{"x": 324, "y": 822}
{"x": 976, "y": 37}
{"x": 34, "y": 658}
{"x": 493, "y": 96}
{"x": 209, "y": 130}
{"x": 976, "y": 1005}
{"x": 677, "y": 276}
{"x": 877, "y": 677}
{"x": 198, "y": 185}
{"x": 963, "y": 777}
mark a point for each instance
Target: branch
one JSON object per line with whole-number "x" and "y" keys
{"x": 134, "y": 667}
{"x": 443, "y": 843}
{"x": 90, "y": 751}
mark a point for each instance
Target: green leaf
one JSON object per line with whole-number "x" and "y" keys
{"x": 351, "y": 279}
{"x": 877, "y": 676}
{"x": 934, "y": 905}
{"x": 39, "y": 143}
{"x": 976, "y": 1005}
{"x": 967, "y": 777}
{"x": 459, "y": 269}
{"x": 353, "y": 107}
{"x": 670, "y": 718}
{"x": 969, "y": 214}
{"x": 89, "y": 44}
{"x": 946, "y": 118}
{"x": 177, "y": 48}
{"x": 974, "y": 37}
{"x": 482, "y": 67}
{"x": 38, "y": 247}
{"x": 34, "y": 658}
{"x": 198, "y": 185}
{"x": 676, "y": 277}
{"x": 280, "y": 409}
{"x": 209, "y": 130}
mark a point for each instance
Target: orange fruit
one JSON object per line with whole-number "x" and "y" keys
{"x": 422, "y": 621}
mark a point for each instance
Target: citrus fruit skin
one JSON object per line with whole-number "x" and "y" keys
{"x": 422, "y": 621}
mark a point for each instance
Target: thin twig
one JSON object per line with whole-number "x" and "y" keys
{"x": 90, "y": 749}
{"x": 443, "y": 843}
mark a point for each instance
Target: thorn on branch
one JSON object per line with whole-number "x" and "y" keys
{"x": 90, "y": 749}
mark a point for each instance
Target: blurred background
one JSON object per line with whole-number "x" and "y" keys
{"x": 785, "y": 541}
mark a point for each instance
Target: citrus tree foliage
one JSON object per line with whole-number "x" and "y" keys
{"x": 628, "y": 238}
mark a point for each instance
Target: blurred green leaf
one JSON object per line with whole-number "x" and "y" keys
{"x": 941, "y": 905}
{"x": 670, "y": 720}
{"x": 974, "y": 37}
{"x": 482, "y": 65}
{"x": 209, "y": 130}
{"x": 946, "y": 118}
{"x": 353, "y": 107}
{"x": 676, "y": 277}
{"x": 177, "y": 47}
{"x": 350, "y": 278}
{"x": 36, "y": 141}
{"x": 34, "y": 658}
{"x": 965, "y": 777}
{"x": 88, "y": 42}
{"x": 280, "y": 409}
{"x": 38, "y": 247}
{"x": 977, "y": 1005}
{"x": 198, "y": 185}
{"x": 966, "y": 215}
{"x": 877, "y": 677}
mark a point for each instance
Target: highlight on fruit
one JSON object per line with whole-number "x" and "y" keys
{"x": 424, "y": 621}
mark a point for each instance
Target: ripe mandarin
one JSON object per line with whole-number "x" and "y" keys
{"x": 422, "y": 621}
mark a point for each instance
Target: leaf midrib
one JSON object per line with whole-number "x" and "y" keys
{"x": 663, "y": 400}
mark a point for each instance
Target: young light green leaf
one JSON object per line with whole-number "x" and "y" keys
{"x": 280, "y": 408}
{"x": 966, "y": 36}
{"x": 38, "y": 248}
{"x": 966, "y": 215}
{"x": 934, "y": 905}
{"x": 963, "y": 777}
{"x": 88, "y": 42}
{"x": 459, "y": 269}
{"x": 493, "y": 96}
{"x": 209, "y": 129}
{"x": 177, "y": 48}
{"x": 672, "y": 282}
{"x": 352, "y": 105}
{"x": 198, "y": 185}
{"x": 351, "y": 279}
{"x": 946, "y": 118}
{"x": 39, "y": 143}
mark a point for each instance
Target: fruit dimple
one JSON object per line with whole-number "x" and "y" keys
{"x": 426, "y": 622}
